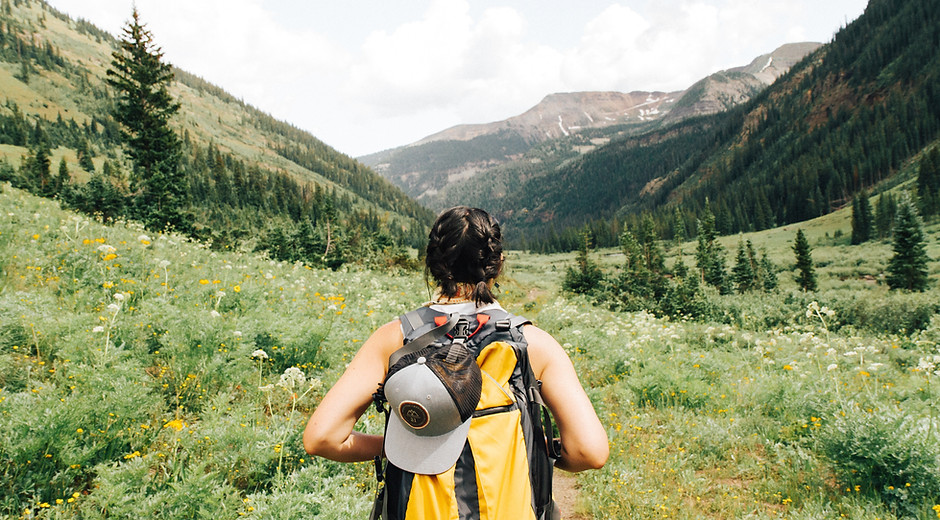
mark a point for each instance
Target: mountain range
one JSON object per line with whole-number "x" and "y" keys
{"x": 577, "y": 122}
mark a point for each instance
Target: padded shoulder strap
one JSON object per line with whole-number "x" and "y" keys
{"x": 424, "y": 339}
{"x": 414, "y": 321}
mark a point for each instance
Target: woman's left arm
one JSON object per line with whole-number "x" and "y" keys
{"x": 584, "y": 443}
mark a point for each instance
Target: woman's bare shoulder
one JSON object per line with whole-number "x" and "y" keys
{"x": 543, "y": 348}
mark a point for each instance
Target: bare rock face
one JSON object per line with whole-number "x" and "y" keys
{"x": 560, "y": 115}
{"x": 722, "y": 90}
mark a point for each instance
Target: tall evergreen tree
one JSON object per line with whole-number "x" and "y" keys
{"x": 884, "y": 215}
{"x": 652, "y": 252}
{"x": 678, "y": 228}
{"x": 804, "y": 262}
{"x": 746, "y": 273}
{"x": 63, "y": 178}
{"x": 587, "y": 276}
{"x": 84, "y": 156}
{"x": 928, "y": 182}
{"x": 709, "y": 255}
{"x": 36, "y": 172}
{"x": 862, "y": 220}
{"x": 144, "y": 109}
{"x": 907, "y": 269}
{"x": 768, "y": 273}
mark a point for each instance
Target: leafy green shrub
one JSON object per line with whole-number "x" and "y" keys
{"x": 892, "y": 313}
{"x": 888, "y": 454}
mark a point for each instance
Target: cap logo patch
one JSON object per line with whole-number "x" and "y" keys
{"x": 414, "y": 414}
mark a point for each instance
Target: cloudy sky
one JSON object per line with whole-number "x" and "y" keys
{"x": 368, "y": 75}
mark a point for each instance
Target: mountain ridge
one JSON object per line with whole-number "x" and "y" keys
{"x": 438, "y": 169}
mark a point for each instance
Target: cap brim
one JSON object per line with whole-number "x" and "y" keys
{"x": 420, "y": 454}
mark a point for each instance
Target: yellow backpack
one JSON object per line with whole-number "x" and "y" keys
{"x": 504, "y": 468}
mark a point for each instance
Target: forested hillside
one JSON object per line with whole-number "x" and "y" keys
{"x": 251, "y": 180}
{"x": 843, "y": 120}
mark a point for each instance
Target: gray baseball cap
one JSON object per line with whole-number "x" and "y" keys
{"x": 432, "y": 401}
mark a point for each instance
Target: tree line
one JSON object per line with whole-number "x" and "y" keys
{"x": 644, "y": 282}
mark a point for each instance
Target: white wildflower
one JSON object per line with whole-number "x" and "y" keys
{"x": 214, "y": 313}
{"x": 164, "y": 263}
{"x": 832, "y": 367}
{"x": 143, "y": 238}
{"x": 106, "y": 249}
{"x": 811, "y": 309}
{"x": 238, "y": 334}
{"x": 113, "y": 307}
{"x": 292, "y": 378}
{"x": 260, "y": 354}
{"x": 266, "y": 388}
{"x": 926, "y": 365}
{"x": 119, "y": 297}
{"x": 99, "y": 328}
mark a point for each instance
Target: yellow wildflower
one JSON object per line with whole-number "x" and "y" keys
{"x": 176, "y": 424}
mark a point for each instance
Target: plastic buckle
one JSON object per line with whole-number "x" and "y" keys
{"x": 462, "y": 329}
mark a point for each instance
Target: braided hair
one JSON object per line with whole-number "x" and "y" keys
{"x": 465, "y": 248}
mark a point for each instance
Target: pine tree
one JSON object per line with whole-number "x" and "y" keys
{"x": 744, "y": 272}
{"x": 768, "y": 273}
{"x": 63, "y": 178}
{"x": 36, "y": 172}
{"x": 804, "y": 262}
{"x": 907, "y": 269}
{"x": 588, "y": 275}
{"x": 928, "y": 182}
{"x": 678, "y": 228}
{"x": 652, "y": 252}
{"x": 862, "y": 220}
{"x": 84, "y": 156}
{"x": 709, "y": 255}
{"x": 144, "y": 108}
{"x": 884, "y": 216}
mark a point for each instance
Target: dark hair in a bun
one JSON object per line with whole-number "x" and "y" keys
{"x": 465, "y": 247}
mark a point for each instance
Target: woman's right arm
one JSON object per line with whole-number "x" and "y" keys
{"x": 329, "y": 432}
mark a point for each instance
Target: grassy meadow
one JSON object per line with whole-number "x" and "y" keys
{"x": 143, "y": 375}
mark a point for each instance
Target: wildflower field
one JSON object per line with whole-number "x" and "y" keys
{"x": 145, "y": 376}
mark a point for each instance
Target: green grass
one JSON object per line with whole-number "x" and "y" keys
{"x": 151, "y": 404}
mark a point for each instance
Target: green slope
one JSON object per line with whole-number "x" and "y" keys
{"x": 52, "y": 73}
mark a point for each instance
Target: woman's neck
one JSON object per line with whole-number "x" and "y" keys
{"x": 463, "y": 294}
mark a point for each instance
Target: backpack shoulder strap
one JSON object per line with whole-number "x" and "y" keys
{"x": 426, "y": 337}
